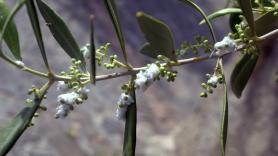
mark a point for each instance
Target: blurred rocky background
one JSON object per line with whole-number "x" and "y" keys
{"x": 172, "y": 119}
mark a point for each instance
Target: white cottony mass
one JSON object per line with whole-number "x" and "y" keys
{"x": 62, "y": 86}
{"x": 145, "y": 78}
{"x": 227, "y": 44}
{"x": 124, "y": 101}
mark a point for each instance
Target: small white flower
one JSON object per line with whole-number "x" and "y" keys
{"x": 86, "y": 52}
{"x": 213, "y": 80}
{"x": 68, "y": 98}
{"x": 121, "y": 112}
{"x": 62, "y": 86}
{"x": 20, "y": 63}
{"x": 125, "y": 100}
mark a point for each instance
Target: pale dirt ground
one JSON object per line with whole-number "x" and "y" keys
{"x": 172, "y": 119}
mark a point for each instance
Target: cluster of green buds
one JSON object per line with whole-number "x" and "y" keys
{"x": 274, "y": 6}
{"x": 166, "y": 70}
{"x": 202, "y": 44}
{"x": 242, "y": 34}
{"x": 113, "y": 62}
{"x": 34, "y": 91}
{"x": 74, "y": 91}
{"x": 211, "y": 83}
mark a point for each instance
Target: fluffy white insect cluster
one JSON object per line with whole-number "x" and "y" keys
{"x": 124, "y": 101}
{"x": 145, "y": 78}
{"x": 86, "y": 52}
{"x": 227, "y": 44}
{"x": 66, "y": 101}
{"x": 213, "y": 80}
{"x": 20, "y": 63}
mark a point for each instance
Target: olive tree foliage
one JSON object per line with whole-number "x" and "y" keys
{"x": 252, "y": 24}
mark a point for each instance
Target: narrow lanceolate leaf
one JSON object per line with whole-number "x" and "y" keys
{"x": 242, "y": 72}
{"x": 221, "y": 13}
{"x": 224, "y": 121}
{"x": 112, "y": 10}
{"x": 92, "y": 51}
{"x": 158, "y": 35}
{"x": 10, "y": 134}
{"x": 266, "y": 23}
{"x": 33, "y": 16}
{"x": 246, "y": 7}
{"x": 60, "y": 31}
{"x": 8, "y": 27}
{"x": 197, "y": 8}
{"x": 130, "y": 129}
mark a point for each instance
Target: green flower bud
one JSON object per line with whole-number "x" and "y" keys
{"x": 203, "y": 95}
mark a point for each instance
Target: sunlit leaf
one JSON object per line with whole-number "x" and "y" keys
{"x": 242, "y": 72}
{"x": 92, "y": 51}
{"x": 112, "y": 10}
{"x": 130, "y": 129}
{"x": 197, "y": 8}
{"x": 246, "y": 8}
{"x": 222, "y": 12}
{"x": 8, "y": 27}
{"x": 158, "y": 35}
{"x": 11, "y": 133}
{"x": 33, "y": 16}
{"x": 60, "y": 31}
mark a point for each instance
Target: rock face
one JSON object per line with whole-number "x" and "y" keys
{"x": 172, "y": 119}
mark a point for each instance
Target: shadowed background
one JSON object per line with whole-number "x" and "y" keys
{"x": 172, "y": 119}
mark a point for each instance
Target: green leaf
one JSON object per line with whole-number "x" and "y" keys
{"x": 220, "y": 13}
{"x": 147, "y": 50}
{"x": 33, "y": 16}
{"x": 130, "y": 129}
{"x": 197, "y": 8}
{"x": 60, "y": 31}
{"x": 93, "y": 51}
{"x": 158, "y": 35}
{"x": 8, "y": 27}
{"x": 112, "y": 10}
{"x": 266, "y": 23}
{"x": 10, "y": 134}
{"x": 246, "y": 8}
{"x": 242, "y": 72}
{"x": 224, "y": 121}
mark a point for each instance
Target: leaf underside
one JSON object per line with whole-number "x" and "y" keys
{"x": 158, "y": 35}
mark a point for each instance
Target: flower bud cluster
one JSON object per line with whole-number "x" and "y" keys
{"x": 274, "y": 7}
{"x": 73, "y": 91}
{"x": 202, "y": 44}
{"x": 243, "y": 33}
{"x": 210, "y": 84}
{"x": 123, "y": 102}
